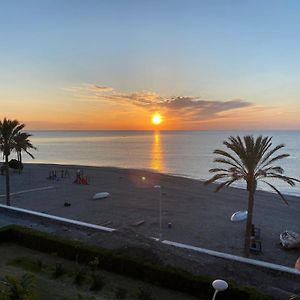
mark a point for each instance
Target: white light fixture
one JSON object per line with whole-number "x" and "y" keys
{"x": 219, "y": 285}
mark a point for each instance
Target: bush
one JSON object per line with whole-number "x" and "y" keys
{"x": 80, "y": 297}
{"x": 39, "y": 264}
{"x": 165, "y": 276}
{"x": 14, "y": 164}
{"x": 80, "y": 276}
{"x": 94, "y": 264}
{"x": 144, "y": 294}
{"x": 27, "y": 264}
{"x": 146, "y": 253}
{"x": 120, "y": 293}
{"x": 22, "y": 289}
{"x": 58, "y": 270}
{"x": 98, "y": 282}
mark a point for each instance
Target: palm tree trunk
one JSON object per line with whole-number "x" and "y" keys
{"x": 19, "y": 161}
{"x": 249, "y": 221}
{"x": 7, "y": 181}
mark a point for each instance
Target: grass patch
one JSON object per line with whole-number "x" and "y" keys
{"x": 80, "y": 277}
{"x": 113, "y": 261}
{"x": 120, "y": 293}
{"x": 98, "y": 281}
{"x": 26, "y": 263}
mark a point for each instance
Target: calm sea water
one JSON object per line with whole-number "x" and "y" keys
{"x": 186, "y": 153}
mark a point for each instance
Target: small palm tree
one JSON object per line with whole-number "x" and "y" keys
{"x": 251, "y": 160}
{"x": 22, "y": 143}
{"x": 8, "y": 130}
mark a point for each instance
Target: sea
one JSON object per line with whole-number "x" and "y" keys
{"x": 179, "y": 153}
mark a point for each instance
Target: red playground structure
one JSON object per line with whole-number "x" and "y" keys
{"x": 80, "y": 179}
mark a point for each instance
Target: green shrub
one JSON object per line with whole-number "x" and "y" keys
{"x": 39, "y": 264}
{"x": 80, "y": 276}
{"x": 80, "y": 297}
{"x": 120, "y": 293}
{"x": 6, "y": 233}
{"x": 98, "y": 281}
{"x": 94, "y": 264}
{"x": 22, "y": 289}
{"x": 144, "y": 294}
{"x": 146, "y": 253}
{"x": 58, "y": 270}
{"x": 26, "y": 263}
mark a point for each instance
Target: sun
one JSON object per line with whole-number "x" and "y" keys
{"x": 156, "y": 119}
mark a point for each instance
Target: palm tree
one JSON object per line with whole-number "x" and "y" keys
{"x": 252, "y": 160}
{"x": 22, "y": 143}
{"x": 8, "y": 130}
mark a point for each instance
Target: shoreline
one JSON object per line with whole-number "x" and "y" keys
{"x": 198, "y": 216}
{"x": 177, "y": 175}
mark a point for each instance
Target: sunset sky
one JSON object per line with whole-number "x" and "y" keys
{"x": 215, "y": 64}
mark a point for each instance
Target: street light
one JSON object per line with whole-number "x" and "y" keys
{"x": 219, "y": 286}
{"x": 160, "y": 218}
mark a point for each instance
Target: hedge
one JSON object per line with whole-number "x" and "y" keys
{"x": 113, "y": 261}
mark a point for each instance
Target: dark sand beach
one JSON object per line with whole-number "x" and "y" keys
{"x": 199, "y": 217}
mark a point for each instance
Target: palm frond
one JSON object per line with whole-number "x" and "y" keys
{"x": 226, "y": 154}
{"x": 228, "y": 162}
{"x": 225, "y": 183}
{"x": 262, "y": 145}
{"x": 289, "y": 180}
{"x": 278, "y": 157}
{"x": 215, "y": 170}
{"x": 276, "y": 190}
{"x": 276, "y": 169}
{"x": 17, "y": 128}
{"x": 29, "y": 154}
{"x": 237, "y": 146}
{"x": 269, "y": 154}
{"x": 215, "y": 177}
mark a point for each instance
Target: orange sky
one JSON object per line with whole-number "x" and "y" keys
{"x": 107, "y": 65}
{"x": 95, "y": 107}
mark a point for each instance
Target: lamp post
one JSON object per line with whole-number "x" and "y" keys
{"x": 219, "y": 286}
{"x": 158, "y": 187}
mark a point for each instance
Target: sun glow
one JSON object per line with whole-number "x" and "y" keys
{"x": 156, "y": 119}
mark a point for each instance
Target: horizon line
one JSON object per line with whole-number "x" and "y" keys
{"x": 151, "y": 130}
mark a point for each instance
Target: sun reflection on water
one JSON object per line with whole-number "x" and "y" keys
{"x": 157, "y": 158}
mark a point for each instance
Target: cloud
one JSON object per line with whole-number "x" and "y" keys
{"x": 98, "y": 88}
{"x": 186, "y": 107}
{"x": 88, "y": 88}
{"x": 196, "y": 107}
